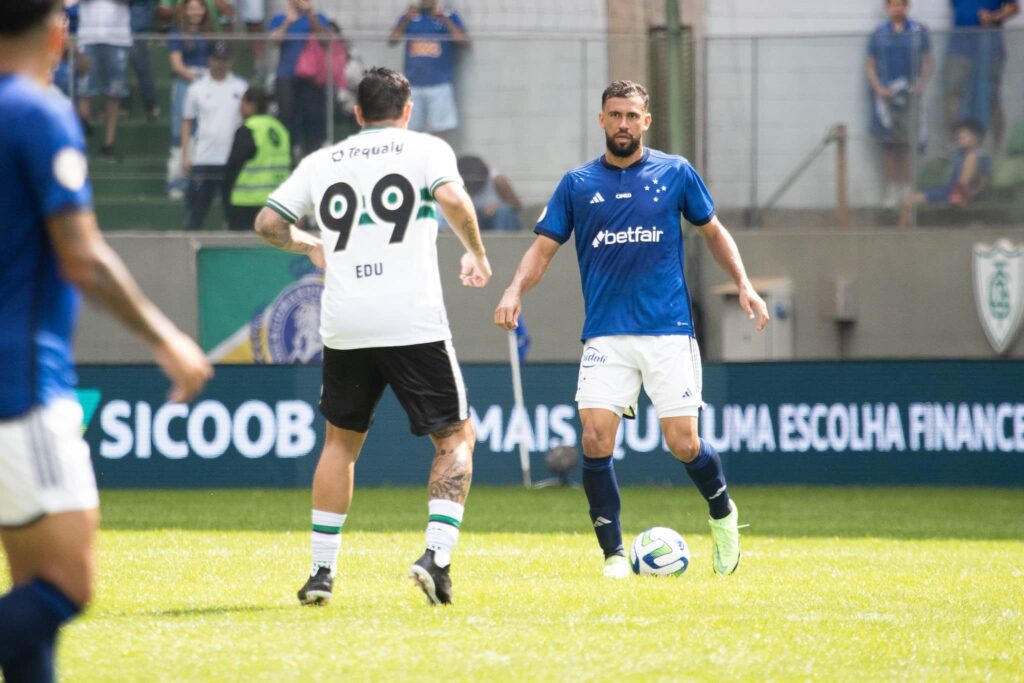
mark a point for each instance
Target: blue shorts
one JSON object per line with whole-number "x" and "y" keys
{"x": 433, "y": 108}
{"x": 936, "y": 195}
{"x": 108, "y": 66}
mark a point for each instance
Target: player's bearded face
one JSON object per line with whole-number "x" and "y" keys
{"x": 621, "y": 143}
{"x": 624, "y": 120}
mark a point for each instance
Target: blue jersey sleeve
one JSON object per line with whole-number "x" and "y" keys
{"x": 874, "y": 46}
{"x": 174, "y": 41}
{"x": 556, "y": 219}
{"x": 456, "y": 19}
{"x": 275, "y": 22}
{"x": 54, "y": 152}
{"x": 695, "y": 201}
{"x": 926, "y": 41}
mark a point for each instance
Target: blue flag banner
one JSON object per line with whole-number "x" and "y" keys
{"x": 522, "y": 339}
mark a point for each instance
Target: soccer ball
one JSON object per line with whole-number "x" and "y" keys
{"x": 659, "y": 551}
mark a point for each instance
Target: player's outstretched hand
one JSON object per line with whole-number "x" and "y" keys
{"x": 184, "y": 363}
{"x": 506, "y": 315}
{"x": 476, "y": 271}
{"x": 751, "y": 303}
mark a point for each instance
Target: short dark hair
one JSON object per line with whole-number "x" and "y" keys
{"x": 20, "y": 16}
{"x": 972, "y": 125}
{"x": 382, "y": 94}
{"x": 258, "y": 98}
{"x": 625, "y": 89}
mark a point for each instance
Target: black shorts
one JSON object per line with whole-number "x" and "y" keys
{"x": 425, "y": 377}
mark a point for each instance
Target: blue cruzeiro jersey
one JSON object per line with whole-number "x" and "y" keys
{"x": 42, "y": 174}
{"x": 629, "y": 240}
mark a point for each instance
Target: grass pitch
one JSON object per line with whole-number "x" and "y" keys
{"x": 835, "y": 584}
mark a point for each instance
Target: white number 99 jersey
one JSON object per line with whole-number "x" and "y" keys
{"x": 372, "y": 195}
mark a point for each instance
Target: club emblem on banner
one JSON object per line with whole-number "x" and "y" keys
{"x": 999, "y": 290}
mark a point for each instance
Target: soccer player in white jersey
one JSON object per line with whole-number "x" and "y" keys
{"x": 52, "y": 249}
{"x": 624, "y": 209}
{"x": 375, "y": 197}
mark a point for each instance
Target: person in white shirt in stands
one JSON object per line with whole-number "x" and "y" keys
{"x": 212, "y": 115}
{"x": 105, "y": 36}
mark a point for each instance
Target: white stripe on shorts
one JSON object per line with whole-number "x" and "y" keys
{"x": 460, "y": 386}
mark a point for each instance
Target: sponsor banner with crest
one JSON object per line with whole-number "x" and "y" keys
{"x": 259, "y": 306}
{"x": 999, "y": 290}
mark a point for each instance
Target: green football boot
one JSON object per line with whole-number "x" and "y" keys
{"x": 616, "y": 567}
{"x": 725, "y": 541}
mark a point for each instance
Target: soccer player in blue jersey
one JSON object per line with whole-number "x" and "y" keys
{"x": 624, "y": 209}
{"x": 51, "y": 249}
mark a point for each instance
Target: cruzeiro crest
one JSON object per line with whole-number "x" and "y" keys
{"x": 999, "y": 290}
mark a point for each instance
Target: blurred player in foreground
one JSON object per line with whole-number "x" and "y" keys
{"x": 624, "y": 207}
{"x": 382, "y": 318}
{"x": 52, "y": 248}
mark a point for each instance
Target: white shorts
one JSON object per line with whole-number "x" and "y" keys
{"x": 613, "y": 369}
{"x": 44, "y": 464}
{"x": 433, "y": 108}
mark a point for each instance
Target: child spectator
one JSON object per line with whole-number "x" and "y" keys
{"x": 260, "y": 160}
{"x": 968, "y": 178}
{"x": 898, "y": 66}
{"x": 188, "y": 52}
{"x": 496, "y": 203}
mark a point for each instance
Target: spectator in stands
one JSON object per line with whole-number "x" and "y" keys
{"x": 968, "y": 178}
{"x": 431, "y": 35}
{"x": 221, "y": 11}
{"x": 213, "y": 113}
{"x": 973, "y": 71}
{"x": 260, "y": 160}
{"x": 142, "y": 15}
{"x": 301, "y": 103}
{"x": 496, "y": 203}
{"x": 105, "y": 36}
{"x": 189, "y": 52}
{"x": 898, "y": 66}
{"x": 345, "y": 123}
{"x": 253, "y": 14}
{"x": 72, "y": 58}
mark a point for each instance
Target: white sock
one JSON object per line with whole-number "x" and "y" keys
{"x": 443, "y": 529}
{"x": 325, "y": 541}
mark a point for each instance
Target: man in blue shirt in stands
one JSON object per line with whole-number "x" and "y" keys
{"x": 976, "y": 54}
{"x": 624, "y": 208}
{"x": 52, "y": 249}
{"x": 431, "y": 35}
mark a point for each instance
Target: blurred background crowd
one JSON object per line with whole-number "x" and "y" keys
{"x": 885, "y": 114}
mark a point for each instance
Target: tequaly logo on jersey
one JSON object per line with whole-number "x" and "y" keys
{"x": 630, "y": 235}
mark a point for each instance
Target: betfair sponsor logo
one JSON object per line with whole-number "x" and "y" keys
{"x": 630, "y": 235}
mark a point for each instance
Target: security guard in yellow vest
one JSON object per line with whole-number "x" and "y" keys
{"x": 260, "y": 160}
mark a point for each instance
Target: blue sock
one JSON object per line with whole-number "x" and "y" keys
{"x": 706, "y": 472}
{"x": 35, "y": 666}
{"x": 605, "y": 503}
{"x": 29, "y": 618}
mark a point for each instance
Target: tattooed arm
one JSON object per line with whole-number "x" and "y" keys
{"x": 279, "y": 233}
{"x": 458, "y": 209}
{"x": 87, "y": 262}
